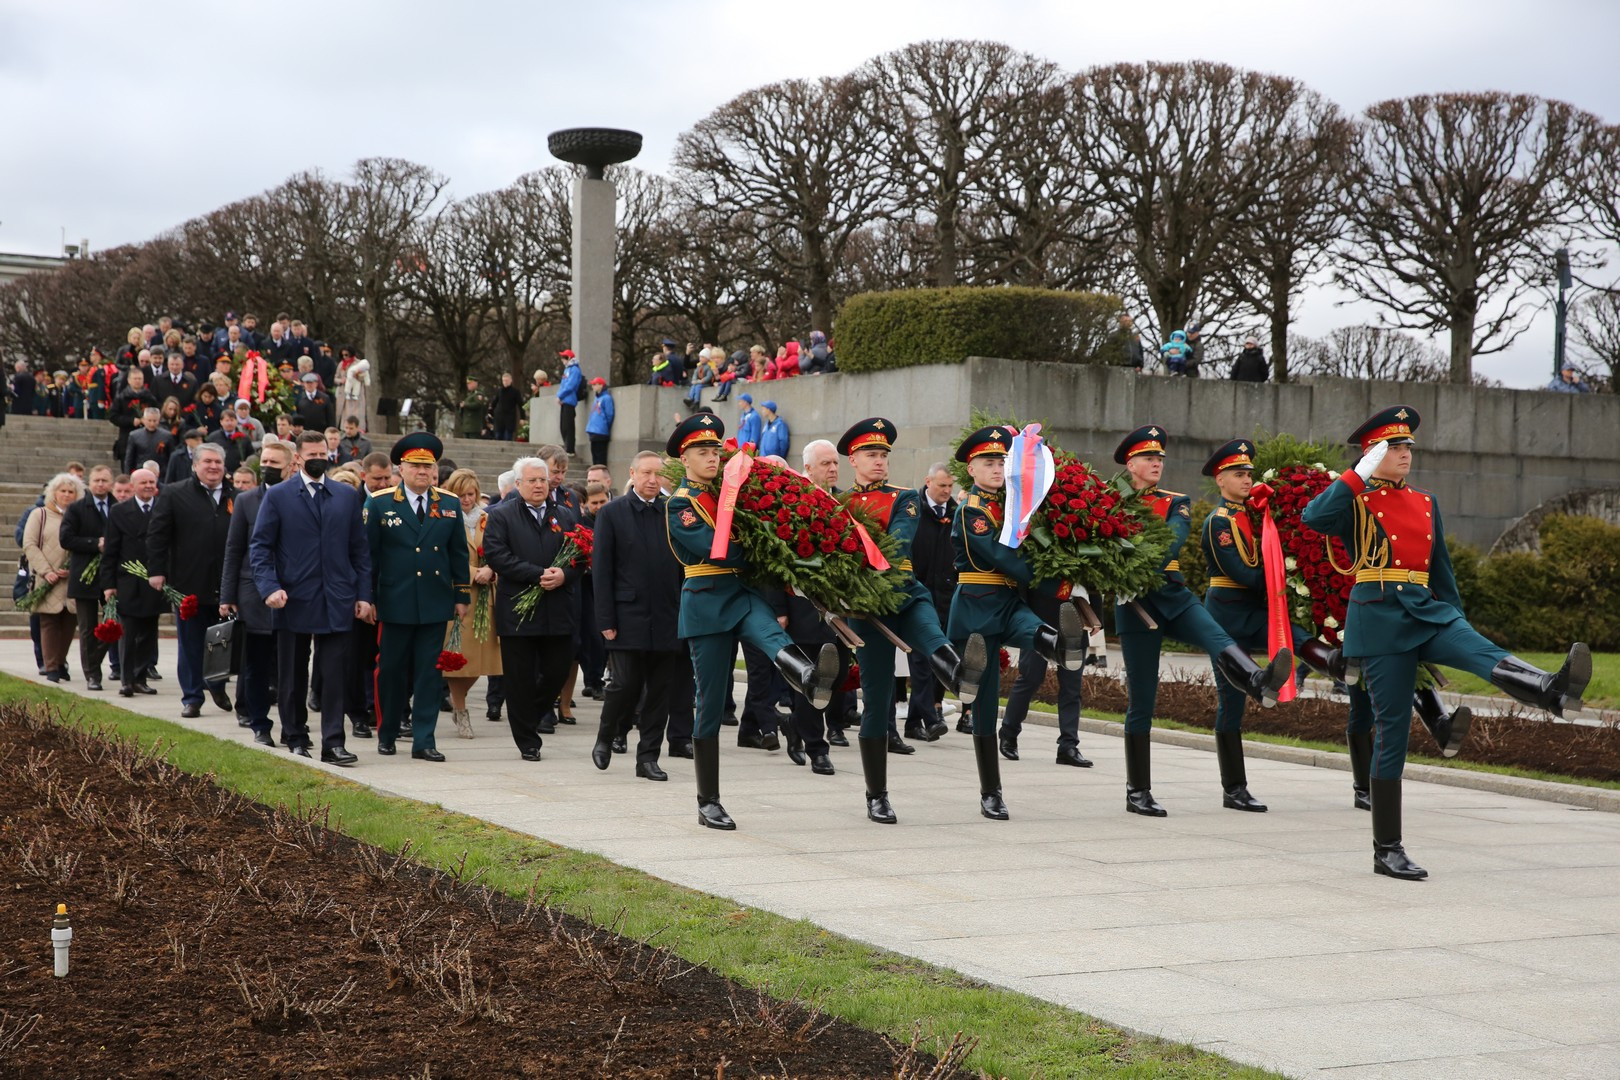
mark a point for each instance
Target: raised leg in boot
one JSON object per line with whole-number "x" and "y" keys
{"x": 1260, "y": 684}
{"x": 1450, "y": 729}
{"x": 1556, "y": 691}
{"x": 814, "y": 678}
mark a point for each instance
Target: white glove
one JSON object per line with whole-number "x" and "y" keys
{"x": 1124, "y": 598}
{"x": 1369, "y": 461}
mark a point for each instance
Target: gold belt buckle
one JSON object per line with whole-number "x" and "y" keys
{"x": 1412, "y": 576}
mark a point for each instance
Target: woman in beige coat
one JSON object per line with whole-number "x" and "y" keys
{"x": 48, "y": 561}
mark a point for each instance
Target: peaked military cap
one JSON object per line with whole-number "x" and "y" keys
{"x": 418, "y": 448}
{"x": 699, "y": 429}
{"x": 1232, "y": 455}
{"x": 874, "y": 431}
{"x": 1150, "y": 439}
{"x": 1394, "y": 424}
{"x": 995, "y": 439}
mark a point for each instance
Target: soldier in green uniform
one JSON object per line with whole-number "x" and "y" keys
{"x": 1176, "y": 611}
{"x": 1405, "y": 610}
{"x": 867, "y": 446}
{"x": 718, "y": 609}
{"x": 474, "y": 407}
{"x": 992, "y": 580}
{"x": 419, "y": 578}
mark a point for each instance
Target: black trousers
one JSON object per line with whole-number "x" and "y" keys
{"x": 91, "y": 651}
{"x": 565, "y": 420}
{"x": 599, "y": 450}
{"x": 682, "y": 698}
{"x": 535, "y": 669}
{"x": 592, "y": 649}
{"x": 253, "y": 681}
{"x": 759, "y": 715}
{"x": 922, "y": 690}
{"x": 360, "y": 687}
{"x": 630, "y": 674}
{"x": 138, "y": 649}
{"x": 331, "y": 655}
{"x": 1031, "y": 672}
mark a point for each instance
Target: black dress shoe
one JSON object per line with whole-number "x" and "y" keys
{"x": 728, "y": 720}
{"x": 301, "y": 751}
{"x": 243, "y": 721}
{"x": 144, "y": 690}
{"x": 620, "y": 745}
{"x": 567, "y": 719}
{"x": 221, "y": 698}
{"x": 897, "y": 745}
{"x": 405, "y": 731}
{"x": 190, "y": 712}
{"x": 602, "y": 755}
{"x": 129, "y": 691}
{"x": 430, "y": 754}
{"x": 385, "y": 747}
{"x": 52, "y": 677}
{"x": 822, "y": 765}
{"x": 264, "y": 738}
{"x": 711, "y": 815}
{"x": 1009, "y": 748}
{"x": 493, "y": 716}
{"x": 936, "y": 729}
{"x": 836, "y": 738}
{"x": 152, "y": 674}
{"x": 529, "y": 755}
{"x": 916, "y": 733}
{"x": 62, "y": 673}
{"x": 681, "y": 749}
{"x": 363, "y": 731}
{"x": 964, "y": 726}
{"x": 545, "y": 728}
{"x": 1239, "y": 798}
{"x": 753, "y": 742}
{"x": 795, "y": 752}
{"x": 338, "y": 756}
{"x": 1072, "y": 756}
{"x": 649, "y": 770}
{"x": 92, "y": 684}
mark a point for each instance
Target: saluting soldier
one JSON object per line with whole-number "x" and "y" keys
{"x": 419, "y": 577}
{"x": 1176, "y": 611}
{"x": 1405, "y": 610}
{"x": 895, "y": 509}
{"x": 989, "y": 601}
{"x": 718, "y": 609}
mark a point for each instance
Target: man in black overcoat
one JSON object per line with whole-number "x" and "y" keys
{"x": 139, "y": 605}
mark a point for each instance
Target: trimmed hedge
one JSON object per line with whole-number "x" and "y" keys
{"x": 881, "y": 330}
{"x": 1568, "y": 591}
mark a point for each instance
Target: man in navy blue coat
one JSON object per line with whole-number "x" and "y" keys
{"x": 312, "y": 566}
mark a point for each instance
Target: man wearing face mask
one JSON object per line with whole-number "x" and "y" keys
{"x": 187, "y": 547}
{"x": 239, "y": 597}
{"x": 313, "y": 569}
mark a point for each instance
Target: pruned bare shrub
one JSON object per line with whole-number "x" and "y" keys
{"x": 276, "y": 1003}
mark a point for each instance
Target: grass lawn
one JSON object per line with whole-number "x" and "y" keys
{"x": 1019, "y": 1036}
{"x": 1602, "y": 693}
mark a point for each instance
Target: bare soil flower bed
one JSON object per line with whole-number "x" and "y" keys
{"x": 218, "y": 937}
{"x": 1513, "y": 739}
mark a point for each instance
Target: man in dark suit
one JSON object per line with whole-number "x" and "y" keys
{"x": 148, "y": 442}
{"x": 933, "y": 562}
{"x": 237, "y": 444}
{"x": 419, "y": 576}
{"x": 313, "y": 569}
{"x": 139, "y": 605}
{"x": 315, "y": 406}
{"x": 22, "y": 390}
{"x": 186, "y": 542}
{"x": 176, "y": 381}
{"x": 638, "y": 602}
{"x": 84, "y": 525}
{"x": 240, "y": 597}
{"x": 521, "y": 541}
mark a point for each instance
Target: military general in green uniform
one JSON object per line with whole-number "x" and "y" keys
{"x": 718, "y": 608}
{"x": 419, "y": 575}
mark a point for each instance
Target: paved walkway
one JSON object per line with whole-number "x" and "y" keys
{"x": 1262, "y": 937}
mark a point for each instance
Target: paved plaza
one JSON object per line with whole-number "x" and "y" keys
{"x": 1263, "y": 937}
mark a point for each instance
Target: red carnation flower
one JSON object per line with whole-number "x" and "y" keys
{"x": 188, "y": 607}
{"x": 108, "y": 631}
{"x": 451, "y": 661}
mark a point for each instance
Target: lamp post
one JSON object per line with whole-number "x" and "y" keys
{"x": 594, "y": 238}
{"x": 1561, "y": 320}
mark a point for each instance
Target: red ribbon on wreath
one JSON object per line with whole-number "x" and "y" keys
{"x": 1279, "y": 632}
{"x": 254, "y": 369}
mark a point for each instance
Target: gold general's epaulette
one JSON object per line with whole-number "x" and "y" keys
{"x": 385, "y": 491}
{"x": 452, "y": 494}
{"x": 1172, "y": 494}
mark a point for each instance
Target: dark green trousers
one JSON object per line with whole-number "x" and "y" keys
{"x": 1391, "y": 680}
{"x": 917, "y": 624}
{"x": 407, "y": 663}
{"x": 1141, "y": 650}
{"x": 1019, "y": 634}
{"x": 713, "y": 657}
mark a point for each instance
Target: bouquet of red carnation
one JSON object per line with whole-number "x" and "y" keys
{"x": 109, "y": 630}
{"x": 796, "y": 535}
{"x": 186, "y": 604}
{"x": 577, "y": 545}
{"x": 451, "y": 659}
{"x": 1004, "y": 659}
{"x": 852, "y": 679}
{"x": 1318, "y": 595}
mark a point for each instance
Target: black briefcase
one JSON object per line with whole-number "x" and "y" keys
{"x": 222, "y": 651}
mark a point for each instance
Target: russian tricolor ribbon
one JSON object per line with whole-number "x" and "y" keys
{"x": 1029, "y": 478}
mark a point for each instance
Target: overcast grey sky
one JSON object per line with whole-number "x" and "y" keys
{"x": 121, "y": 119}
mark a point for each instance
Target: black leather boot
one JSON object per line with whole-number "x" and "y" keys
{"x": 1320, "y": 657}
{"x": 1064, "y": 644}
{"x": 963, "y": 673}
{"x": 814, "y": 679}
{"x": 1361, "y": 751}
{"x": 990, "y": 801}
{"x": 1234, "y": 777}
{"x": 1449, "y": 729}
{"x": 1259, "y": 683}
{"x": 1389, "y": 858}
{"x": 1139, "y": 777}
{"x": 1554, "y": 692}
{"x": 706, "y": 765}
{"x": 875, "y": 766}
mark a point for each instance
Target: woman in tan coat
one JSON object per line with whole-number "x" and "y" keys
{"x": 48, "y": 561}
{"x": 483, "y": 657}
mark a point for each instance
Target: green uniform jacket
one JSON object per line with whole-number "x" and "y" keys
{"x": 418, "y": 570}
{"x": 897, "y": 510}
{"x": 710, "y": 603}
{"x": 979, "y": 607}
{"x": 1173, "y": 597}
{"x": 1240, "y": 611}
{"x": 1388, "y": 617}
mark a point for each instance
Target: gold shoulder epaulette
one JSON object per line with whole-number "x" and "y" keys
{"x": 684, "y": 492}
{"x": 972, "y": 502}
{"x": 1173, "y": 494}
{"x": 384, "y": 491}
{"x": 452, "y": 494}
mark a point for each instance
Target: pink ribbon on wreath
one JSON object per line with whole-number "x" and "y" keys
{"x": 252, "y": 363}
{"x": 737, "y": 470}
{"x": 1279, "y": 634}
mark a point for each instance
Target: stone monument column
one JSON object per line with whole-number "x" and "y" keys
{"x": 594, "y": 238}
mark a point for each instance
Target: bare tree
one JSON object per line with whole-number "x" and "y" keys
{"x": 1596, "y": 328}
{"x": 1368, "y": 352}
{"x": 448, "y": 281}
{"x": 1455, "y": 203}
{"x": 795, "y": 155}
{"x": 1286, "y": 235}
{"x": 939, "y": 101}
{"x": 523, "y": 249}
